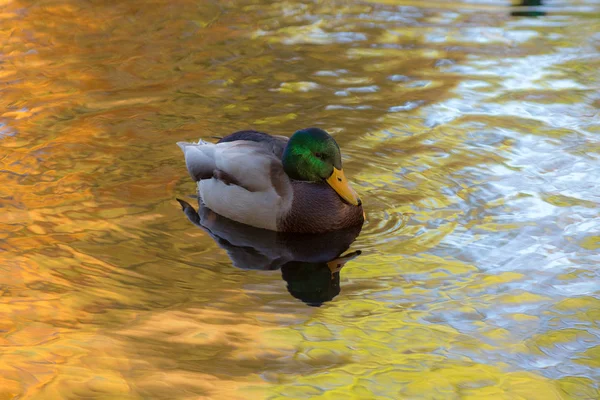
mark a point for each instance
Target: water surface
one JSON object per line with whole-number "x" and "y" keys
{"x": 471, "y": 135}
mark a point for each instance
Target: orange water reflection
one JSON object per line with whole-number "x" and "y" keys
{"x": 471, "y": 135}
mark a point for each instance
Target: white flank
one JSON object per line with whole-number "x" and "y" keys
{"x": 258, "y": 209}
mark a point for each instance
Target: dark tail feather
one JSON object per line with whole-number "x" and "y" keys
{"x": 189, "y": 211}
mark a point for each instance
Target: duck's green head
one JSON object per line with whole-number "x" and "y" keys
{"x": 313, "y": 155}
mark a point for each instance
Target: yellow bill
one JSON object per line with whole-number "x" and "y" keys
{"x": 340, "y": 184}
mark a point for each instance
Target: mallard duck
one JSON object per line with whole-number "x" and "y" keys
{"x": 275, "y": 183}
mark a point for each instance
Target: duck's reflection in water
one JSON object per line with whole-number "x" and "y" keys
{"x": 310, "y": 264}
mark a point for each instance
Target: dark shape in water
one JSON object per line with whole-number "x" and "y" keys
{"x": 529, "y": 12}
{"x": 310, "y": 264}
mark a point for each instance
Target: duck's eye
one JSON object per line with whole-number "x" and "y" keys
{"x": 319, "y": 155}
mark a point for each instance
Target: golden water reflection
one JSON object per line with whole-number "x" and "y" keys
{"x": 471, "y": 134}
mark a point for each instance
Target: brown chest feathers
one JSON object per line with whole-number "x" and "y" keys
{"x": 316, "y": 207}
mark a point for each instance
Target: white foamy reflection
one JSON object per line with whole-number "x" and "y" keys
{"x": 538, "y": 168}
{"x": 531, "y": 213}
